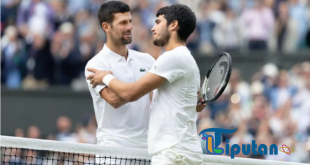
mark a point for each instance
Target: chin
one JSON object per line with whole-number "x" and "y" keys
{"x": 158, "y": 43}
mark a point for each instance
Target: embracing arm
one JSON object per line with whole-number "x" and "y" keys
{"x": 129, "y": 92}
{"x": 133, "y": 91}
{"x": 112, "y": 98}
{"x": 105, "y": 93}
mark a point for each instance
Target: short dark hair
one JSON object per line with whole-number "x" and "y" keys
{"x": 108, "y": 9}
{"x": 185, "y": 17}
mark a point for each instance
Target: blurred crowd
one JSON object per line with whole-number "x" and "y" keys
{"x": 273, "y": 108}
{"x": 48, "y": 42}
{"x": 83, "y": 132}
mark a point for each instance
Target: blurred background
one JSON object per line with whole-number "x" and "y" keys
{"x": 45, "y": 45}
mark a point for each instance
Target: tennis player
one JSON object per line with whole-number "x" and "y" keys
{"x": 120, "y": 124}
{"x": 172, "y": 137}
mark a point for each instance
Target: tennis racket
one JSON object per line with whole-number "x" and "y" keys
{"x": 216, "y": 79}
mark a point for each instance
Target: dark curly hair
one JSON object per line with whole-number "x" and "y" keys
{"x": 185, "y": 17}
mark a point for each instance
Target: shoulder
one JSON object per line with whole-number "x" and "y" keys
{"x": 94, "y": 61}
{"x": 99, "y": 61}
{"x": 178, "y": 56}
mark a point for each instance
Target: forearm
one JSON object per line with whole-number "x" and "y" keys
{"x": 118, "y": 102}
{"x": 112, "y": 98}
{"x": 124, "y": 90}
{"x": 130, "y": 91}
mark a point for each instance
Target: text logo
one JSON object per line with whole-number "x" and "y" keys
{"x": 290, "y": 149}
{"x": 212, "y": 144}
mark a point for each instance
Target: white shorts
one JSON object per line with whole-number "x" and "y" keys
{"x": 177, "y": 155}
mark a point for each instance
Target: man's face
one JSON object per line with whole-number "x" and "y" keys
{"x": 160, "y": 32}
{"x": 121, "y": 28}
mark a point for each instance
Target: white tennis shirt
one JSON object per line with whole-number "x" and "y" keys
{"x": 126, "y": 126}
{"x": 173, "y": 113}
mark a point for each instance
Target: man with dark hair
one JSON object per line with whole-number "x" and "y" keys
{"x": 175, "y": 79}
{"x": 187, "y": 22}
{"x": 120, "y": 124}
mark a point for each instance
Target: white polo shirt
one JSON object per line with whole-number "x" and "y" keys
{"x": 173, "y": 112}
{"x": 126, "y": 126}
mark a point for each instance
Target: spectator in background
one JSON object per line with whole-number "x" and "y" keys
{"x": 281, "y": 26}
{"x": 19, "y": 132}
{"x": 226, "y": 34}
{"x": 291, "y": 27}
{"x": 66, "y": 54}
{"x": 86, "y": 26}
{"x": 8, "y": 12}
{"x": 33, "y": 132}
{"x": 34, "y": 16}
{"x": 86, "y": 132}
{"x": 259, "y": 22}
{"x": 281, "y": 93}
{"x": 60, "y": 12}
{"x": 14, "y": 58}
{"x": 300, "y": 102}
{"x": 205, "y": 28}
{"x": 40, "y": 64}
{"x": 298, "y": 14}
{"x": 86, "y": 50}
{"x": 276, "y": 6}
{"x": 64, "y": 132}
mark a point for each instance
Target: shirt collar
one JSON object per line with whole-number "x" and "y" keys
{"x": 114, "y": 56}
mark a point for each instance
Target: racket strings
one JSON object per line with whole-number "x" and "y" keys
{"x": 217, "y": 77}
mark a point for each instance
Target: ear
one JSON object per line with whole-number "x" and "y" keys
{"x": 174, "y": 25}
{"x": 105, "y": 26}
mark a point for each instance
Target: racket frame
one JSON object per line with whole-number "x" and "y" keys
{"x": 225, "y": 81}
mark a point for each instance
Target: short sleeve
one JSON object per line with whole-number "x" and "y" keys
{"x": 168, "y": 66}
{"x": 90, "y": 64}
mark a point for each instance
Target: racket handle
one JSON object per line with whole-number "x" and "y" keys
{"x": 203, "y": 102}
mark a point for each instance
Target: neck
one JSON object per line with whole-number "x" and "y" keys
{"x": 118, "y": 49}
{"x": 173, "y": 44}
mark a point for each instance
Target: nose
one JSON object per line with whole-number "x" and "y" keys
{"x": 153, "y": 29}
{"x": 130, "y": 27}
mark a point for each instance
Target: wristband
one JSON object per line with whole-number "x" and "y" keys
{"x": 106, "y": 80}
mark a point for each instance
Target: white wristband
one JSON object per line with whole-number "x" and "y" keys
{"x": 106, "y": 80}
